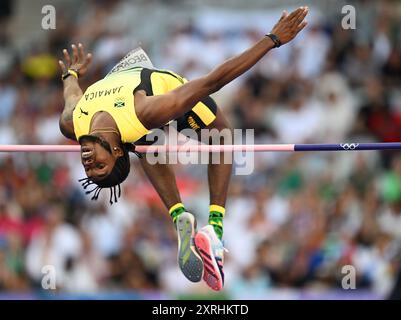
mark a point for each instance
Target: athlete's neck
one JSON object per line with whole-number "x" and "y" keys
{"x": 103, "y": 125}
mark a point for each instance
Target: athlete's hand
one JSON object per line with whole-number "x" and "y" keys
{"x": 78, "y": 61}
{"x": 290, "y": 25}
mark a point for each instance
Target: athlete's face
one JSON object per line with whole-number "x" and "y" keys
{"x": 96, "y": 156}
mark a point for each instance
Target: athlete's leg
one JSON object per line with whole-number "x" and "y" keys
{"x": 206, "y": 115}
{"x": 209, "y": 239}
{"x": 163, "y": 180}
{"x": 219, "y": 174}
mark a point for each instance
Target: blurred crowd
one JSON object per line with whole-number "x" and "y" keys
{"x": 295, "y": 222}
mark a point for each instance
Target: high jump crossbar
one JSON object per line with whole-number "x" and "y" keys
{"x": 219, "y": 148}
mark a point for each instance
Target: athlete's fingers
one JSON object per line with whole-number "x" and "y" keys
{"x": 297, "y": 20}
{"x": 301, "y": 26}
{"x": 81, "y": 52}
{"x": 283, "y": 15}
{"x": 62, "y": 66}
{"x": 88, "y": 59}
{"x": 67, "y": 57}
{"x": 297, "y": 16}
{"x": 74, "y": 53}
{"x": 294, "y": 14}
{"x": 302, "y": 15}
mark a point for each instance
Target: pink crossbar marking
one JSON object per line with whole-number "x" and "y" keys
{"x": 151, "y": 149}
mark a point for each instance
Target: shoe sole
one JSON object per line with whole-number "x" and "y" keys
{"x": 189, "y": 260}
{"x": 211, "y": 272}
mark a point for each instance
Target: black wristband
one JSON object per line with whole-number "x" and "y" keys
{"x": 65, "y": 76}
{"x": 275, "y": 39}
{"x": 69, "y": 72}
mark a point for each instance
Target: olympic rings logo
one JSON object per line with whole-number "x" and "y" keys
{"x": 349, "y": 146}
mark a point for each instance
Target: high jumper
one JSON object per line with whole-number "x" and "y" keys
{"x": 119, "y": 111}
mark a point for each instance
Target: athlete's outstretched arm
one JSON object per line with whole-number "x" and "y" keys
{"x": 72, "y": 69}
{"x": 155, "y": 111}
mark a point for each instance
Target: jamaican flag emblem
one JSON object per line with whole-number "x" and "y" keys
{"x": 119, "y": 103}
